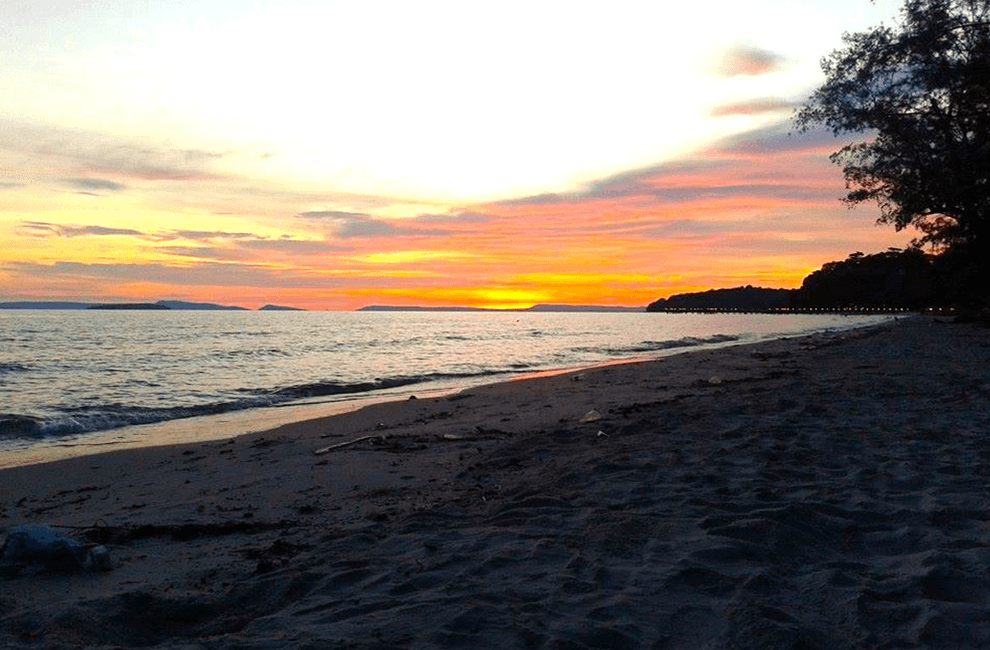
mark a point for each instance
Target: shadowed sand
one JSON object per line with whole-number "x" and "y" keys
{"x": 820, "y": 492}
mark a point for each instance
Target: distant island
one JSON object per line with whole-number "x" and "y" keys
{"x": 279, "y": 308}
{"x": 152, "y": 306}
{"x": 54, "y": 304}
{"x": 177, "y": 305}
{"x": 205, "y": 306}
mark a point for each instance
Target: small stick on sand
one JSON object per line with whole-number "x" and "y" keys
{"x": 341, "y": 445}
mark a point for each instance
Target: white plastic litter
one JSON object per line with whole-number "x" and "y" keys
{"x": 100, "y": 558}
{"x": 590, "y": 416}
{"x": 39, "y": 544}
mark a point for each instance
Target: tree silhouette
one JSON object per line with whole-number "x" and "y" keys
{"x": 892, "y": 279}
{"x": 921, "y": 92}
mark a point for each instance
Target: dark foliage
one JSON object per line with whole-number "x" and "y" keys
{"x": 922, "y": 91}
{"x": 893, "y": 279}
{"x": 746, "y": 298}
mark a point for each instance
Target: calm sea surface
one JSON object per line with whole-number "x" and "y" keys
{"x": 66, "y": 376}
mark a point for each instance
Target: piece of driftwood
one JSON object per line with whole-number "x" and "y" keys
{"x": 341, "y": 445}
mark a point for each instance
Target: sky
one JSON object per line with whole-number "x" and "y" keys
{"x": 331, "y": 155}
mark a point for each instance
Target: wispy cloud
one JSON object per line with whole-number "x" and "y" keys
{"x": 749, "y": 61}
{"x": 45, "y": 229}
{"x": 295, "y": 248}
{"x": 151, "y": 164}
{"x": 262, "y": 251}
{"x": 464, "y": 217}
{"x": 547, "y": 198}
{"x": 38, "y": 229}
{"x": 216, "y": 245}
{"x": 754, "y": 107}
{"x": 333, "y": 215}
{"x": 348, "y": 225}
{"x": 94, "y": 184}
{"x": 214, "y": 253}
{"x": 101, "y": 231}
{"x": 210, "y": 235}
{"x": 91, "y": 152}
{"x": 211, "y": 273}
{"x": 726, "y": 170}
{"x": 778, "y": 139}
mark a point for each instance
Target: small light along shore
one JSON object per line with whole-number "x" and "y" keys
{"x": 848, "y": 311}
{"x": 822, "y": 491}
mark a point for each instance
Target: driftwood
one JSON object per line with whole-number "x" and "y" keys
{"x": 481, "y": 434}
{"x": 341, "y": 445}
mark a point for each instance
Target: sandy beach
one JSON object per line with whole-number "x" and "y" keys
{"x": 827, "y": 491}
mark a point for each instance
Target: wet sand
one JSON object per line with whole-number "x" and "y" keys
{"x": 828, "y": 491}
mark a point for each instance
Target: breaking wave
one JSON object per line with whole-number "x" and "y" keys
{"x": 83, "y": 419}
{"x": 645, "y": 347}
{"x": 13, "y": 367}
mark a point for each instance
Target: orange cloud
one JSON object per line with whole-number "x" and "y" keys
{"x": 754, "y": 107}
{"x": 748, "y": 60}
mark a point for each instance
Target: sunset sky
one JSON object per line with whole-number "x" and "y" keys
{"x": 330, "y": 155}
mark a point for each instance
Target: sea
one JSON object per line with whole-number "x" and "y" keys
{"x": 80, "y": 381}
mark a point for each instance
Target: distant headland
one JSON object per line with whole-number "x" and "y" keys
{"x": 161, "y": 305}
{"x": 279, "y": 308}
{"x": 893, "y": 281}
{"x": 149, "y": 306}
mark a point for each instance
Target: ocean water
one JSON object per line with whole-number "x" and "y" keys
{"x": 66, "y": 376}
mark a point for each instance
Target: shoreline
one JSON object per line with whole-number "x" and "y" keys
{"x": 258, "y": 419}
{"x": 819, "y": 491}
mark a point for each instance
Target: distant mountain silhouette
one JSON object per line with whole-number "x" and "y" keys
{"x": 279, "y": 308}
{"x": 35, "y": 304}
{"x": 162, "y": 304}
{"x": 149, "y": 306}
{"x": 182, "y": 304}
